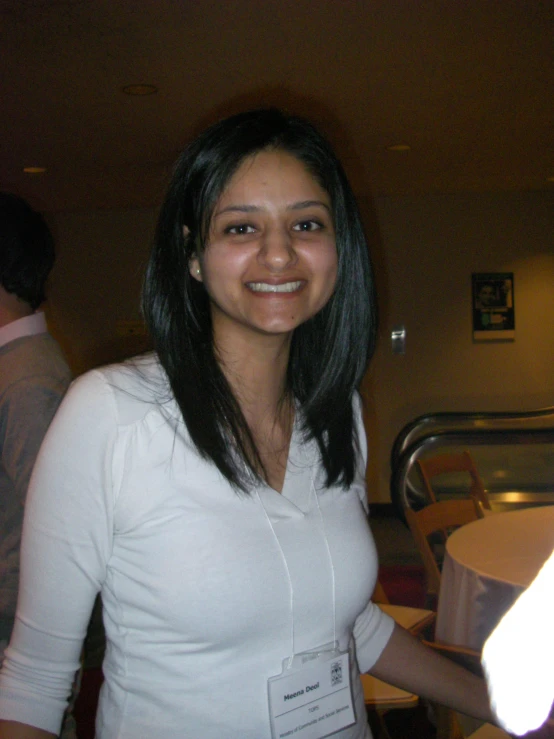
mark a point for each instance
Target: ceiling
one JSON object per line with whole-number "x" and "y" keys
{"x": 467, "y": 84}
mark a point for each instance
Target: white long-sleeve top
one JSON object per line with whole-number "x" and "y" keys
{"x": 195, "y": 590}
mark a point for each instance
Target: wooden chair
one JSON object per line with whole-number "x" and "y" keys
{"x": 379, "y": 698}
{"x": 448, "y": 722}
{"x": 442, "y": 464}
{"x": 443, "y": 516}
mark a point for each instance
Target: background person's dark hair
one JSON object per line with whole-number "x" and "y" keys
{"x": 26, "y": 250}
{"x": 329, "y": 353}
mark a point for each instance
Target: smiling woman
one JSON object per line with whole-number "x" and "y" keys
{"x": 258, "y": 203}
{"x": 214, "y": 491}
{"x": 270, "y": 260}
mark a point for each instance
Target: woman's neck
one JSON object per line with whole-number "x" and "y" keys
{"x": 12, "y": 308}
{"x": 257, "y": 374}
{"x": 256, "y": 369}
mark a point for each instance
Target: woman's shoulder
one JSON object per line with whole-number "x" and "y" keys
{"x": 128, "y": 390}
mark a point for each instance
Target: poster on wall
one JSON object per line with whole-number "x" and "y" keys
{"x": 493, "y": 306}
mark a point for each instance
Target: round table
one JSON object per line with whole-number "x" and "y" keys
{"x": 487, "y": 564}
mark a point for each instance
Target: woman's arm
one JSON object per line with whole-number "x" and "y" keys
{"x": 66, "y": 544}
{"x": 409, "y": 664}
{"x": 15, "y": 730}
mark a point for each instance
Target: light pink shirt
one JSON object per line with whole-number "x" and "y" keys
{"x": 26, "y": 326}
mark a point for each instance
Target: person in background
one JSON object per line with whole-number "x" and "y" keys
{"x": 214, "y": 491}
{"x": 33, "y": 379}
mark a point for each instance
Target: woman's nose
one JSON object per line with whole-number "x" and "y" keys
{"x": 277, "y": 249}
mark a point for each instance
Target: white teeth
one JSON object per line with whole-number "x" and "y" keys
{"x": 264, "y": 287}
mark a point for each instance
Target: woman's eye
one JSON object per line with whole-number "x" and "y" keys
{"x": 308, "y": 226}
{"x": 240, "y": 229}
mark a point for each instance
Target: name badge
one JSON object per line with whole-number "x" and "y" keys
{"x": 312, "y": 698}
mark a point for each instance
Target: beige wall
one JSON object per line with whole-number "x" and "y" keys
{"x": 96, "y": 282}
{"x": 424, "y": 249}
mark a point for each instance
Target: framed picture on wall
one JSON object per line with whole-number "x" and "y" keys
{"x": 493, "y": 306}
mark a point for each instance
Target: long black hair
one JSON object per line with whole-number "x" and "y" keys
{"x": 329, "y": 353}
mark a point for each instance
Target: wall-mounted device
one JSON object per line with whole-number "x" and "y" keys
{"x": 398, "y": 339}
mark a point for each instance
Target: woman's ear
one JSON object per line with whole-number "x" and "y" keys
{"x": 194, "y": 263}
{"x": 194, "y": 268}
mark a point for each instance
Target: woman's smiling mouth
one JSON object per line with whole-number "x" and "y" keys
{"x": 265, "y": 287}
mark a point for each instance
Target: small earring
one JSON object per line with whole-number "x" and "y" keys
{"x": 198, "y": 271}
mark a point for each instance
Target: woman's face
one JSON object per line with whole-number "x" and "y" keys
{"x": 270, "y": 261}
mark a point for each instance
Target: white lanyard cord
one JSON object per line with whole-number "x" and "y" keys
{"x": 291, "y": 590}
{"x": 330, "y": 563}
{"x": 289, "y": 578}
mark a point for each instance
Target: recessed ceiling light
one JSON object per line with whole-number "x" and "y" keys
{"x": 34, "y": 170}
{"x": 139, "y": 89}
{"x": 399, "y": 147}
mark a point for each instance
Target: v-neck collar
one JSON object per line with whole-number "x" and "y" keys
{"x": 300, "y": 478}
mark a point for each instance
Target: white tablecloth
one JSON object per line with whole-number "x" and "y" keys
{"x": 487, "y": 564}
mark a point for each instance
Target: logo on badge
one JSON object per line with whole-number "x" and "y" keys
{"x": 336, "y": 673}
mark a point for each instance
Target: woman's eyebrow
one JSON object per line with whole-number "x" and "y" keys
{"x": 301, "y": 205}
{"x": 238, "y": 209}
{"x": 308, "y": 204}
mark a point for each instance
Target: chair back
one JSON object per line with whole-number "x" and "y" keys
{"x": 443, "y": 516}
{"x": 470, "y": 659}
{"x": 442, "y": 464}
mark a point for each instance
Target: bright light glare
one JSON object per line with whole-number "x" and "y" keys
{"x": 518, "y": 657}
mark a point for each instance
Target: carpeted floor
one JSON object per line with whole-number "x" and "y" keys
{"x": 404, "y": 584}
